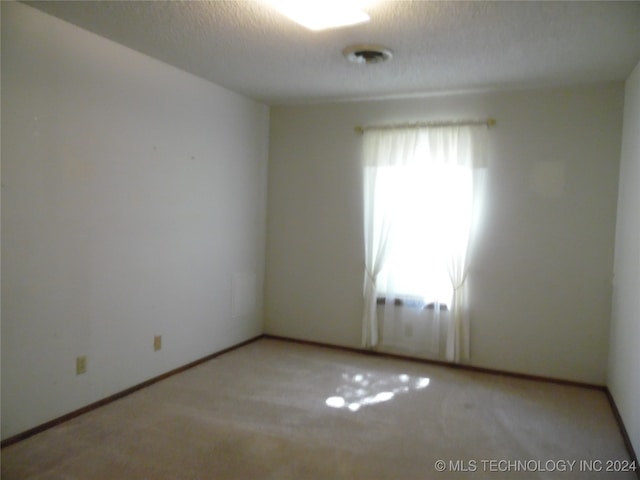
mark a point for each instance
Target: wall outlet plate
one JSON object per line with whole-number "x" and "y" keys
{"x": 157, "y": 342}
{"x": 81, "y": 365}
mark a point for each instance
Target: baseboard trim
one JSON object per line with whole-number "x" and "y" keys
{"x": 116, "y": 396}
{"x": 623, "y": 430}
{"x": 458, "y": 366}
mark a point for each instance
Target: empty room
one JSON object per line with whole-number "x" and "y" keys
{"x": 271, "y": 239}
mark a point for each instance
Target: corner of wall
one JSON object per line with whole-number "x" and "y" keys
{"x": 624, "y": 357}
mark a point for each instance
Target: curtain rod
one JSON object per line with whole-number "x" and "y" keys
{"x": 489, "y": 122}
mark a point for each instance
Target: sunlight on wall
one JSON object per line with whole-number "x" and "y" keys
{"x": 362, "y": 389}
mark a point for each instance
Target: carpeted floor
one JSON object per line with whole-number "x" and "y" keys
{"x": 280, "y": 410}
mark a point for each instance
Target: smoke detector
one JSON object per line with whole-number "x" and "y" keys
{"x": 367, "y": 54}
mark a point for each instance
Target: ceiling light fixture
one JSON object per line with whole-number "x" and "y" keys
{"x": 367, "y": 54}
{"x": 322, "y": 14}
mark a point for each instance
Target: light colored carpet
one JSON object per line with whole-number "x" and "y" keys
{"x": 280, "y": 410}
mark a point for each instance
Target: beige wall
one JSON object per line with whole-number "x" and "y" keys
{"x": 541, "y": 279}
{"x": 133, "y": 199}
{"x": 624, "y": 358}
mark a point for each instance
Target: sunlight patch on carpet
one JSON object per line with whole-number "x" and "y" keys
{"x": 363, "y": 389}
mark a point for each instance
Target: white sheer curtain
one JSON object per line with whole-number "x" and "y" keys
{"x": 418, "y": 207}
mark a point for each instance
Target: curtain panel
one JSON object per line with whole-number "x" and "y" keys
{"x": 392, "y": 160}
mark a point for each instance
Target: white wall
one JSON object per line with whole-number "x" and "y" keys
{"x": 133, "y": 194}
{"x": 541, "y": 282}
{"x": 624, "y": 358}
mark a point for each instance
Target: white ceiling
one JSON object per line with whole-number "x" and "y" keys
{"x": 248, "y": 47}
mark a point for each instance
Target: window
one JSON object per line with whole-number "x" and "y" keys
{"x": 418, "y": 210}
{"x": 430, "y": 208}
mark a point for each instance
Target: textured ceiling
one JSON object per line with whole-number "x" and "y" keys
{"x": 248, "y": 47}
